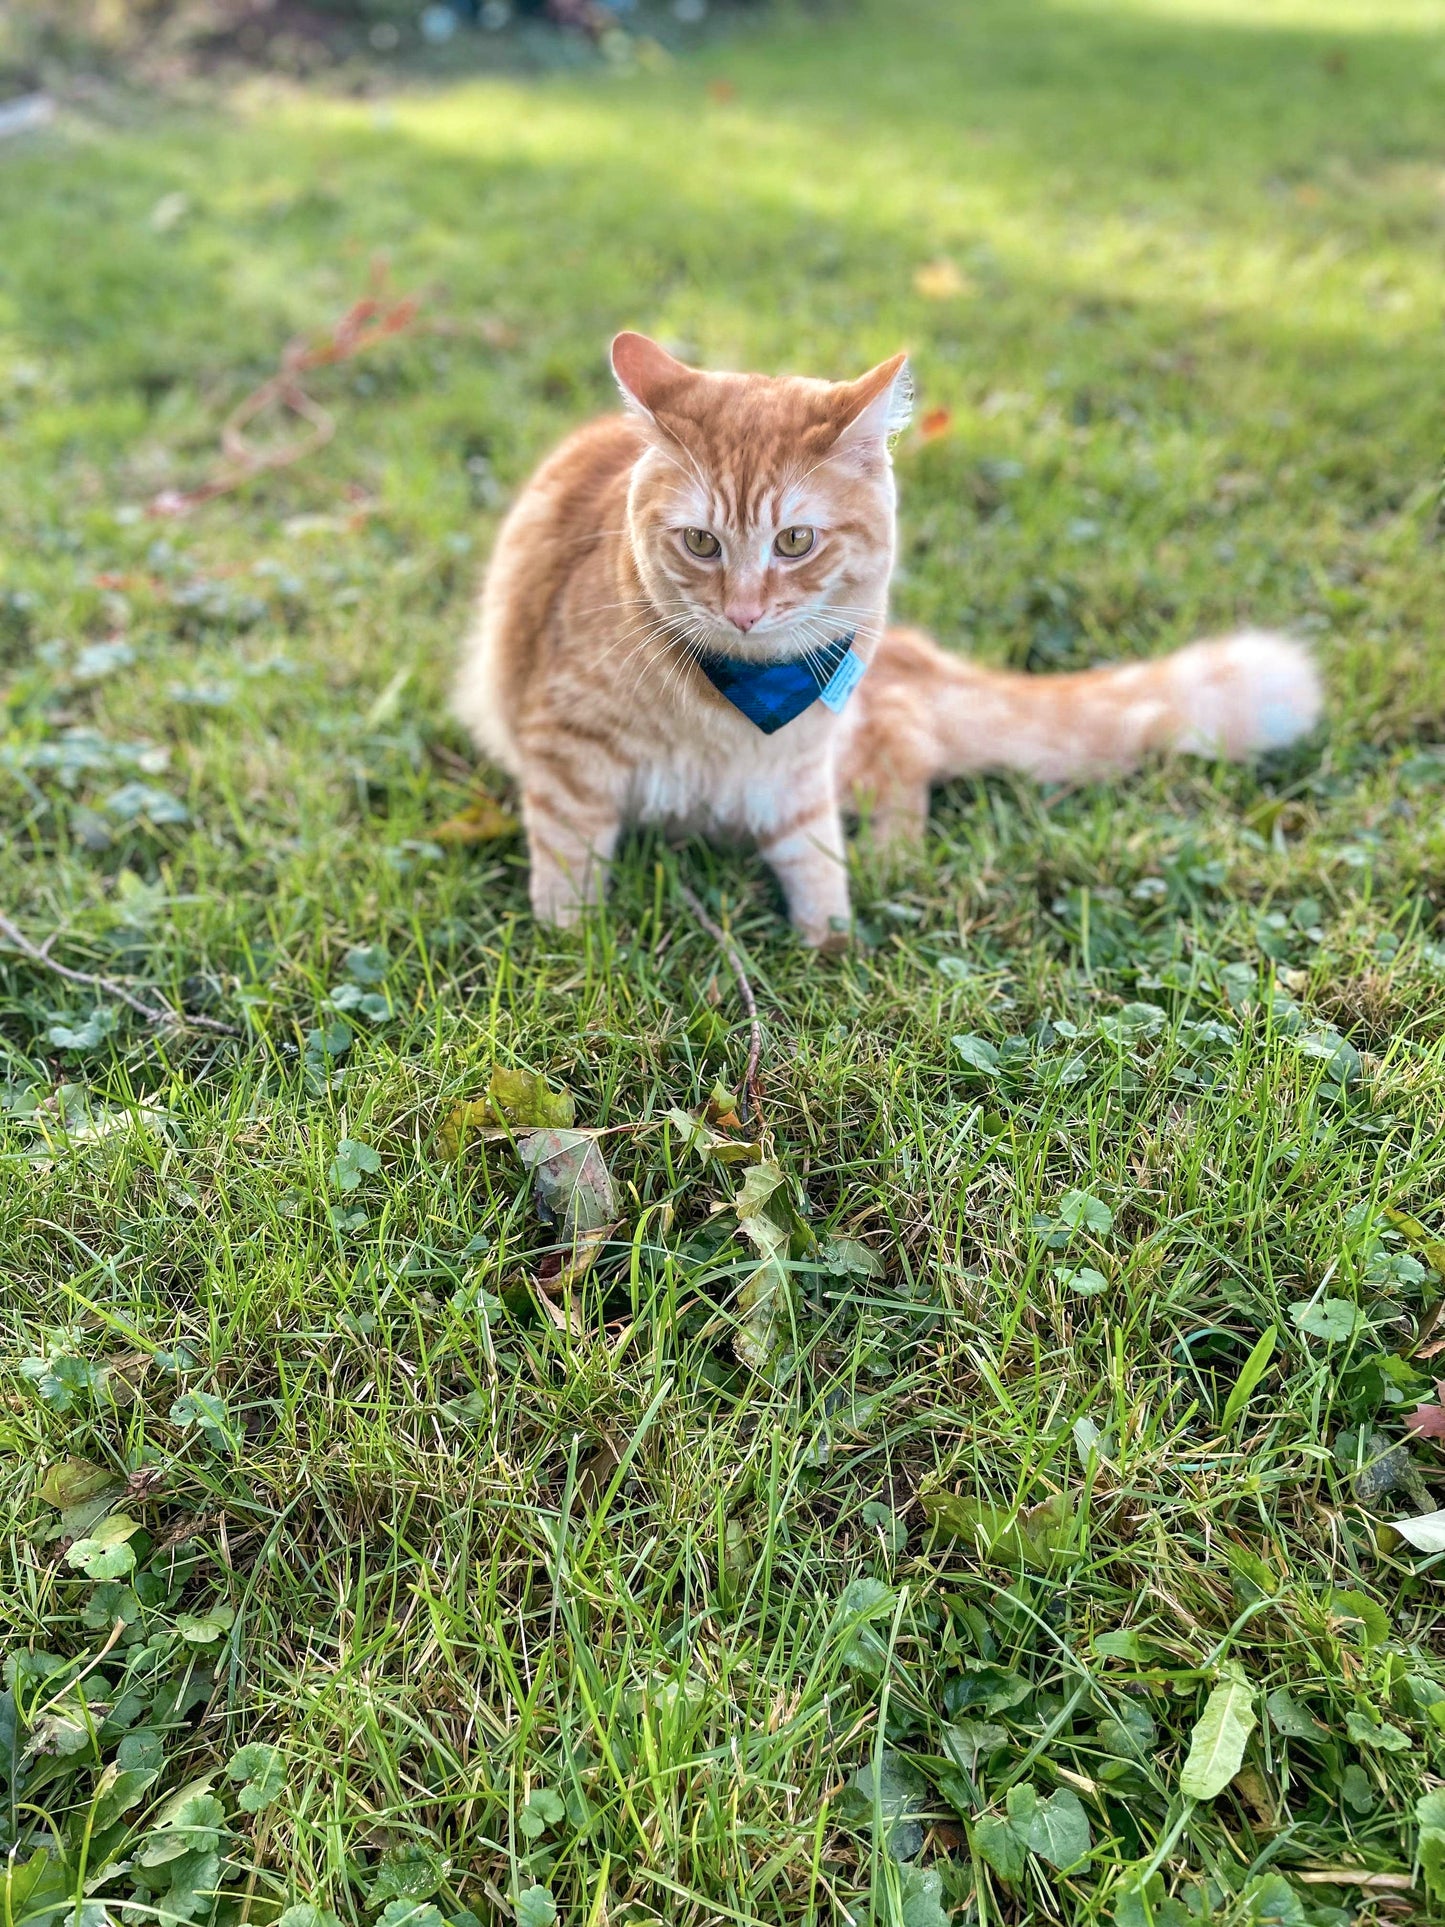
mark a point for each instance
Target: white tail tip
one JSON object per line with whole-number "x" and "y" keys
{"x": 1243, "y": 694}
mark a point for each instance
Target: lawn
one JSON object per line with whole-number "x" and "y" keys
{"x": 1026, "y": 1556}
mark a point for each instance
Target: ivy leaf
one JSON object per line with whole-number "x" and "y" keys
{"x": 353, "y": 1159}
{"x": 260, "y": 1772}
{"x": 536, "y": 1908}
{"x": 1216, "y": 1746}
{"x": 106, "y": 1554}
{"x": 573, "y": 1185}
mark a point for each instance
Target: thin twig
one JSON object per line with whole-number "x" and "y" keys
{"x": 153, "y": 1014}
{"x": 366, "y": 322}
{"x": 752, "y": 1091}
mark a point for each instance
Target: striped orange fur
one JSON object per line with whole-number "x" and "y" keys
{"x": 754, "y": 516}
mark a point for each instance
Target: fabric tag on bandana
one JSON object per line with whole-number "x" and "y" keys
{"x": 844, "y": 680}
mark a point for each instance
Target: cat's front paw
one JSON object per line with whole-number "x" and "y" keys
{"x": 831, "y": 938}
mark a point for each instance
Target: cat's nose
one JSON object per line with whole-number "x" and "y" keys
{"x": 743, "y": 615}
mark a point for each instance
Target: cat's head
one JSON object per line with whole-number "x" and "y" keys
{"x": 761, "y": 511}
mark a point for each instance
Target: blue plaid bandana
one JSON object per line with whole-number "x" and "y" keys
{"x": 771, "y": 694}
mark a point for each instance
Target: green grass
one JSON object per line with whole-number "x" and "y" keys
{"x": 474, "y": 1560}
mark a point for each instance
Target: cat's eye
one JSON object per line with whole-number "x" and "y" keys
{"x": 701, "y": 542}
{"x": 795, "y": 542}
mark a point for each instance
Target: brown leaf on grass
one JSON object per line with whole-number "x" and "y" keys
{"x": 935, "y": 424}
{"x": 1428, "y": 1421}
{"x": 482, "y": 821}
{"x": 942, "y": 280}
{"x": 514, "y": 1101}
{"x": 721, "y": 92}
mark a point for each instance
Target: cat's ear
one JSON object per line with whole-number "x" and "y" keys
{"x": 876, "y": 406}
{"x": 646, "y": 373}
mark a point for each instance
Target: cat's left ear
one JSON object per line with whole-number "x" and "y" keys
{"x": 877, "y": 405}
{"x": 646, "y": 373}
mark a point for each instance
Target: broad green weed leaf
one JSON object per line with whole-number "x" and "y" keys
{"x": 1430, "y": 1818}
{"x": 1426, "y": 1533}
{"x": 352, "y": 1162}
{"x": 1081, "y": 1210}
{"x": 204, "y": 1629}
{"x": 411, "y": 1913}
{"x": 995, "y": 1841}
{"x": 206, "y": 1411}
{"x": 922, "y": 1898}
{"x": 864, "y": 1600}
{"x": 1216, "y": 1746}
{"x": 1082, "y": 1279}
{"x": 71, "y": 1483}
{"x": 116, "y": 1791}
{"x": 543, "y": 1809}
{"x": 260, "y": 1772}
{"x": 978, "y": 1054}
{"x": 1254, "y": 1369}
{"x": 1332, "y": 1319}
{"x": 1357, "y": 1609}
{"x": 303, "y": 1914}
{"x": 536, "y": 1907}
{"x": 1056, "y": 1829}
{"x": 1289, "y": 1716}
{"x": 966, "y": 1742}
{"x": 367, "y": 963}
{"x": 107, "y": 1553}
{"x": 1365, "y": 1728}
{"x": 412, "y": 1872}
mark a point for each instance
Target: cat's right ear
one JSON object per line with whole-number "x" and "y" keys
{"x": 646, "y": 373}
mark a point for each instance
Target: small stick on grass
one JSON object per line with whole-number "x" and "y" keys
{"x": 154, "y": 1014}
{"x": 752, "y": 1091}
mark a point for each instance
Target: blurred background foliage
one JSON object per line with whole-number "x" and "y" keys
{"x": 349, "y": 41}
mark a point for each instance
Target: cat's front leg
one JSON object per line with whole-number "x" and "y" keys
{"x": 572, "y": 829}
{"x": 809, "y": 857}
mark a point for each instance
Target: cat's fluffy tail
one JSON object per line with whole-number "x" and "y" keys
{"x": 930, "y": 715}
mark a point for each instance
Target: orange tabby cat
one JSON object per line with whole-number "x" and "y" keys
{"x": 683, "y": 598}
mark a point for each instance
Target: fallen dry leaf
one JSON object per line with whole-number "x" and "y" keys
{"x": 1428, "y": 1421}
{"x": 514, "y": 1101}
{"x": 574, "y": 1187}
{"x": 482, "y": 821}
{"x": 721, "y": 91}
{"x": 936, "y": 422}
{"x": 942, "y": 280}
